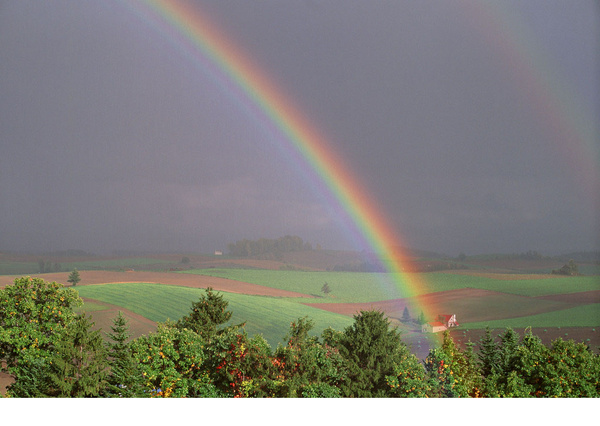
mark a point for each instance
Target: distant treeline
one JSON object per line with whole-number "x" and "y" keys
{"x": 415, "y": 267}
{"x": 265, "y": 246}
{"x": 581, "y": 256}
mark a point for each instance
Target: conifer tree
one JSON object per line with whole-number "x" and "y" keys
{"x": 74, "y": 277}
{"x": 405, "y": 315}
{"x": 372, "y": 350}
{"x": 509, "y": 342}
{"x": 206, "y": 315}
{"x": 78, "y": 367}
{"x": 125, "y": 379}
{"x": 488, "y": 353}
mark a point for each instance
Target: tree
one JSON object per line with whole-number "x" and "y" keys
{"x": 74, "y": 277}
{"x": 371, "y": 348}
{"x": 206, "y": 315}
{"x": 409, "y": 378}
{"x": 33, "y": 314}
{"x": 405, "y": 315}
{"x": 488, "y": 354}
{"x": 325, "y": 289}
{"x": 172, "y": 363}
{"x": 305, "y": 367}
{"x": 78, "y": 364}
{"x": 421, "y": 319}
{"x": 125, "y": 379}
{"x": 452, "y": 372}
{"x": 570, "y": 269}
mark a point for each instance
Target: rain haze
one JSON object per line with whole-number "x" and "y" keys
{"x": 472, "y": 125}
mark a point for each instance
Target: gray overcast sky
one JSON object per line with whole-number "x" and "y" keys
{"x": 465, "y": 120}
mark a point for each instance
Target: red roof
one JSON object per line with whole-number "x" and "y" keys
{"x": 436, "y": 324}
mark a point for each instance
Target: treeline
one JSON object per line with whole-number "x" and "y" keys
{"x": 52, "y": 352}
{"x": 265, "y": 246}
{"x": 529, "y": 255}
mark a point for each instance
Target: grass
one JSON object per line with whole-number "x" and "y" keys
{"x": 268, "y": 316}
{"x": 581, "y": 316}
{"x": 346, "y": 287}
{"x": 352, "y": 287}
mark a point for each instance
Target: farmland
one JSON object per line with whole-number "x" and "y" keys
{"x": 268, "y": 294}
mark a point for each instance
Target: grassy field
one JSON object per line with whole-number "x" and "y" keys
{"x": 263, "y": 315}
{"x": 353, "y": 287}
{"x": 581, "y": 316}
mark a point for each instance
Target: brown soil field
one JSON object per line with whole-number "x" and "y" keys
{"x": 500, "y": 275}
{"x": 469, "y": 305}
{"x": 168, "y": 278}
{"x": 581, "y": 298}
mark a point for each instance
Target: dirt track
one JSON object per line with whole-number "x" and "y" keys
{"x": 168, "y": 278}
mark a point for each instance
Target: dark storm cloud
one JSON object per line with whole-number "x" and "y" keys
{"x": 112, "y": 138}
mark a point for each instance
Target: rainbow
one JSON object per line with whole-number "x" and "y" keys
{"x": 192, "y": 31}
{"x": 569, "y": 125}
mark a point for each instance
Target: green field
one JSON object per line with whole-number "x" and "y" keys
{"x": 352, "y": 287}
{"x": 581, "y": 316}
{"x": 514, "y": 299}
{"x": 270, "y": 317}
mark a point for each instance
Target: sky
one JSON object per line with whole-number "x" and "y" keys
{"x": 472, "y": 125}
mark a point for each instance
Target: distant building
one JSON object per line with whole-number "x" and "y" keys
{"x": 218, "y": 253}
{"x": 443, "y": 323}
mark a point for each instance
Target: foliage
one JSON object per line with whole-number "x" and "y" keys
{"x": 371, "y": 348}
{"x": 452, "y": 372}
{"x": 326, "y": 289}
{"x": 32, "y": 314}
{"x": 405, "y": 315}
{"x": 74, "y": 277}
{"x": 569, "y": 269}
{"x": 171, "y": 361}
{"x": 52, "y": 352}
{"x": 206, "y": 315}
{"x": 78, "y": 364}
{"x": 239, "y": 366}
{"x": 305, "y": 367}
{"x": 125, "y": 379}
{"x": 409, "y": 378}
{"x": 565, "y": 369}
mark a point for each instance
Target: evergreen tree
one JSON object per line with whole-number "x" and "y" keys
{"x": 78, "y": 366}
{"x": 325, "y": 289}
{"x": 405, "y": 315}
{"x": 509, "y": 343}
{"x": 372, "y": 350}
{"x": 74, "y": 277}
{"x": 206, "y": 315}
{"x": 488, "y": 353}
{"x": 125, "y": 379}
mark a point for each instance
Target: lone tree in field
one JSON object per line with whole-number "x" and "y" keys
{"x": 325, "y": 289}
{"x": 74, "y": 277}
{"x": 406, "y": 315}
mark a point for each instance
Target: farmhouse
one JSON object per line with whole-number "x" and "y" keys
{"x": 443, "y": 323}
{"x": 218, "y": 253}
